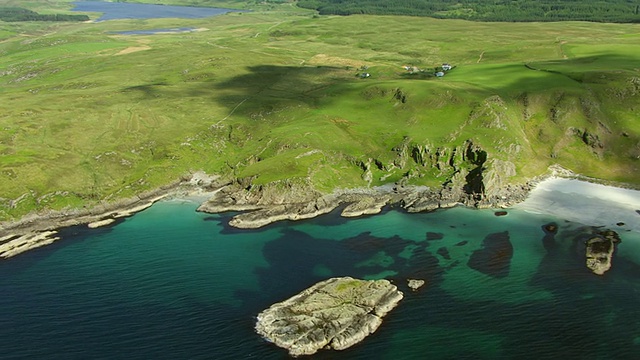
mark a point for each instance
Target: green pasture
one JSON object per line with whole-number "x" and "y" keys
{"x": 88, "y": 115}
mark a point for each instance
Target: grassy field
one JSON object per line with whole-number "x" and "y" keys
{"x": 87, "y": 115}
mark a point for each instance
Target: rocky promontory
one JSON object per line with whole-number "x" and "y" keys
{"x": 335, "y": 313}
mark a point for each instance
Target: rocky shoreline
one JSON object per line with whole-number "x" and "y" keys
{"x": 262, "y": 205}
{"x": 265, "y": 206}
{"x": 34, "y": 232}
{"x": 38, "y": 230}
{"x": 259, "y": 206}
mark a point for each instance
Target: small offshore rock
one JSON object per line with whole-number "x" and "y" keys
{"x": 599, "y": 251}
{"x": 336, "y": 313}
{"x": 550, "y": 228}
{"x": 415, "y": 284}
{"x": 500, "y": 213}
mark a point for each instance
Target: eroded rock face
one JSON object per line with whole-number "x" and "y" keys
{"x": 599, "y": 251}
{"x": 261, "y": 205}
{"x": 336, "y": 313}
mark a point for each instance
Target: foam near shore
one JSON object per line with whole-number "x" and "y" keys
{"x": 585, "y": 202}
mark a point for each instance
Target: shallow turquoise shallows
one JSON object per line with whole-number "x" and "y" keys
{"x": 170, "y": 283}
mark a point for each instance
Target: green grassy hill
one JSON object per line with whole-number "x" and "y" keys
{"x": 87, "y": 115}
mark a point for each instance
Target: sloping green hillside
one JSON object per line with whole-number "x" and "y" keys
{"x": 89, "y": 115}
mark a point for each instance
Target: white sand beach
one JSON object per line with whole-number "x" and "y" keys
{"x": 585, "y": 202}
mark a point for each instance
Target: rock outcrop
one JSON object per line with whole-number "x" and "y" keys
{"x": 599, "y": 251}
{"x": 11, "y": 245}
{"x": 260, "y": 206}
{"x": 415, "y": 284}
{"x": 336, "y": 313}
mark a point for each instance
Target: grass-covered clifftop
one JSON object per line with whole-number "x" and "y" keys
{"x": 88, "y": 115}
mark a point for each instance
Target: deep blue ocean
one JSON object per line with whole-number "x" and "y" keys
{"x": 170, "y": 283}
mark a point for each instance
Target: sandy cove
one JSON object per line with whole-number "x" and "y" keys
{"x": 585, "y": 202}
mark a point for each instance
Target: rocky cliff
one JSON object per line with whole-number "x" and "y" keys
{"x": 473, "y": 179}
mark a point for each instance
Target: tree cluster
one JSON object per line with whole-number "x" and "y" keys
{"x": 620, "y": 11}
{"x": 11, "y": 14}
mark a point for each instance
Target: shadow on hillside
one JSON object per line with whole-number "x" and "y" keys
{"x": 147, "y": 91}
{"x": 269, "y": 86}
{"x": 604, "y": 61}
{"x": 266, "y": 89}
{"x": 590, "y": 69}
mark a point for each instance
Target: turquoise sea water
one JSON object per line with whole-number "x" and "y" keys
{"x": 170, "y": 283}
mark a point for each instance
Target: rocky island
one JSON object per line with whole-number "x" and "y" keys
{"x": 335, "y": 313}
{"x": 599, "y": 251}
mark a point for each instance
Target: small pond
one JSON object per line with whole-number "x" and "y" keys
{"x": 119, "y": 10}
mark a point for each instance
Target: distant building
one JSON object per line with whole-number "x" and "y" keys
{"x": 446, "y": 67}
{"x": 365, "y": 75}
{"x": 439, "y": 74}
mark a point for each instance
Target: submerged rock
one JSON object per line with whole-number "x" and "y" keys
{"x": 336, "y": 313}
{"x": 494, "y": 258}
{"x": 549, "y": 240}
{"x": 599, "y": 251}
{"x": 444, "y": 253}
